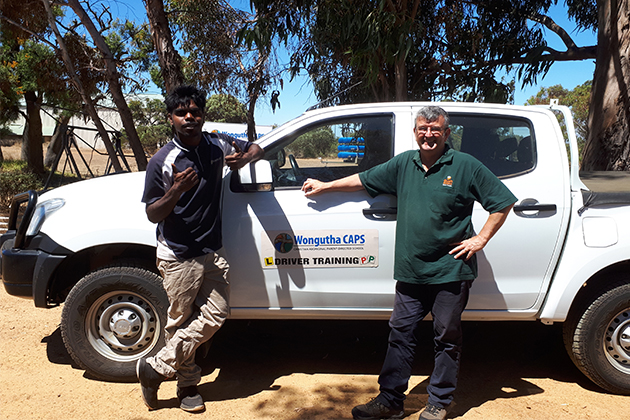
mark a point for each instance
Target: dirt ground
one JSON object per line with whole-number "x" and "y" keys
{"x": 96, "y": 160}
{"x": 299, "y": 370}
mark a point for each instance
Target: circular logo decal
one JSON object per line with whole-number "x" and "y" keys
{"x": 283, "y": 243}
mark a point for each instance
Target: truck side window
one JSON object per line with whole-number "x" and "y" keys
{"x": 331, "y": 150}
{"x": 504, "y": 145}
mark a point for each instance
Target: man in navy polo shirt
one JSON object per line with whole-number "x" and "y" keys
{"x": 183, "y": 196}
{"x": 435, "y": 261}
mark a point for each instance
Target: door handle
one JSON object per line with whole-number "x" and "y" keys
{"x": 377, "y": 211}
{"x": 535, "y": 207}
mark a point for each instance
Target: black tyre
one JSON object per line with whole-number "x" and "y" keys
{"x": 598, "y": 339}
{"x": 113, "y": 317}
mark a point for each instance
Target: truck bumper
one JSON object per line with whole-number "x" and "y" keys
{"x": 27, "y": 272}
{"x": 17, "y": 271}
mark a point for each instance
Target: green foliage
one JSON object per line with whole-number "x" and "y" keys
{"x": 225, "y": 108}
{"x": 32, "y": 67}
{"x": 15, "y": 178}
{"x": 578, "y": 99}
{"x": 151, "y": 123}
{"x": 26, "y": 63}
{"x": 584, "y": 12}
{"x": 153, "y": 137}
{"x": 384, "y": 50}
{"x": 132, "y": 47}
{"x": 443, "y": 49}
{"x": 207, "y": 29}
{"x": 320, "y": 143}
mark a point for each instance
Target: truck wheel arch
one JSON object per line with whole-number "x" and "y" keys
{"x": 78, "y": 265}
{"x": 596, "y": 330}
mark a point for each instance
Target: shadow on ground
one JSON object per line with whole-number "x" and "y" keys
{"x": 498, "y": 359}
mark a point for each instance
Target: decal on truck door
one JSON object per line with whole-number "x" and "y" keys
{"x": 320, "y": 248}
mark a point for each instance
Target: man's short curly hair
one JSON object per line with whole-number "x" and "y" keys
{"x": 432, "y": 113}
{"x": 183, "y": 95}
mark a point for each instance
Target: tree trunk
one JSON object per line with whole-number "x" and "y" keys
{"x": 608, "y": 143}
{"x": 113, "y": 80}
{"x": 79, "y": 86}
{"x": 400, "y": 75}
{"x": 251, "y": 122}
{"x": 32, "y": 138}
{"x": 54, "y": 147}
{"x": 170, "y": 61}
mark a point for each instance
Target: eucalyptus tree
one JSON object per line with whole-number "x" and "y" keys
{"x": 428, "y": 49}
{"x": 225, "y": 108}
{"x": 170, "y": 62}
{"x": 608, "y": 142}
{"x": 113, "y": 77}
{"x": 64, "y": 69}
{"x": 31, "y": 68}
{"x": 382, "y": 50}
{"x": 577, "y": 99}
{"x": 206, "y": 33}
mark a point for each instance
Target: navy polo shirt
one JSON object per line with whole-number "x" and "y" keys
{"x": 435, "y": 211}
{"x": 194, "y": 226}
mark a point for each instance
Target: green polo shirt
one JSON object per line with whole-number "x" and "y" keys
{"x": 435, "y": 211}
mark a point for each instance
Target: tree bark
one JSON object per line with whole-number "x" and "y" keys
{"x": 608, "y": 143}
{"x": 32, "y": 138}
{"x": 113, "y": 80}
{"x": 400, "y": 74}
{"x": 79, "y": 86}
{"x": 54, "y": 147}
{"x": 170, "y": 61}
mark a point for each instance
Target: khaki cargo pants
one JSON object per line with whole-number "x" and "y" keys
{"x": 198, "y": 292}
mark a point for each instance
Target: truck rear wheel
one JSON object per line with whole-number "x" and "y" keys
{"x": 598, "y": 339}
{"x": 113, "y": 317}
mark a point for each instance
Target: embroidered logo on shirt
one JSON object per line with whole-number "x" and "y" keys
{"x": 448, "y": 182}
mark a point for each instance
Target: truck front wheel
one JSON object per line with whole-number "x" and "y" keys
{"x": 598, "y": 339}
{"x": 112, "y": 317}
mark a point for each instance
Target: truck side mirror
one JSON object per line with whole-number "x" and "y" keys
{"x": 255, "y": 176}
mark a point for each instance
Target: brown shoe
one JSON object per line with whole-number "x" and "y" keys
{"x": 375, "y": 410}
{"x": 433, "y": 412}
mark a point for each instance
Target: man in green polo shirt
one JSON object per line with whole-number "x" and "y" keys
{"x": 435, "y": 261}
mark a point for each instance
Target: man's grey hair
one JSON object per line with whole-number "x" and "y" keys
{"x": 432, "y": 113}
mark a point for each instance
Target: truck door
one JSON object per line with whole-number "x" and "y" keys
{"x": 334, "y": 252}
{"x": 519, "y": 260}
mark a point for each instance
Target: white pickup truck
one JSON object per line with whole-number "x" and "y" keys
{"x": 563, "y": 254}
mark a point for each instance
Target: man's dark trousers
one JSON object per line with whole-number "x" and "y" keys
{"x": 446, "y": 302}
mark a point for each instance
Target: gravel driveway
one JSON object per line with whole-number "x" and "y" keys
{"x": 301, "y": 370}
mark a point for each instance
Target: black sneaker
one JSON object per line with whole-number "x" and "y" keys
{"x": 376, "y": 410}
{"x": 150, "y": 381}
{"x": 433, "y": 412}
{"x": 189, "y": 399}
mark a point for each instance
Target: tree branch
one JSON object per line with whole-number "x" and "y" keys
{"x": 14, "y": 23}
{"x": 571, "y": 54}
{"x": 554, "y": 27}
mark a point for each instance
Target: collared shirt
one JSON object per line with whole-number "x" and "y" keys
{"x": 435, "y": 211}
{"x": 194, "y": 226}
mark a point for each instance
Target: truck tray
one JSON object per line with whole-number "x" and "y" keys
{"x": 605, "y": 188}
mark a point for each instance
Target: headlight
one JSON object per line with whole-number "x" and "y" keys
{"x": 41, "y": 212}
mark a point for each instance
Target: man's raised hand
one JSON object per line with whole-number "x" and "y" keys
{"x": 236, "y": 161}
{"x": 185, "y": 180}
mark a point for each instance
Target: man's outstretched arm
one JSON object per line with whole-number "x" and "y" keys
{"x": 350, "y": 183}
